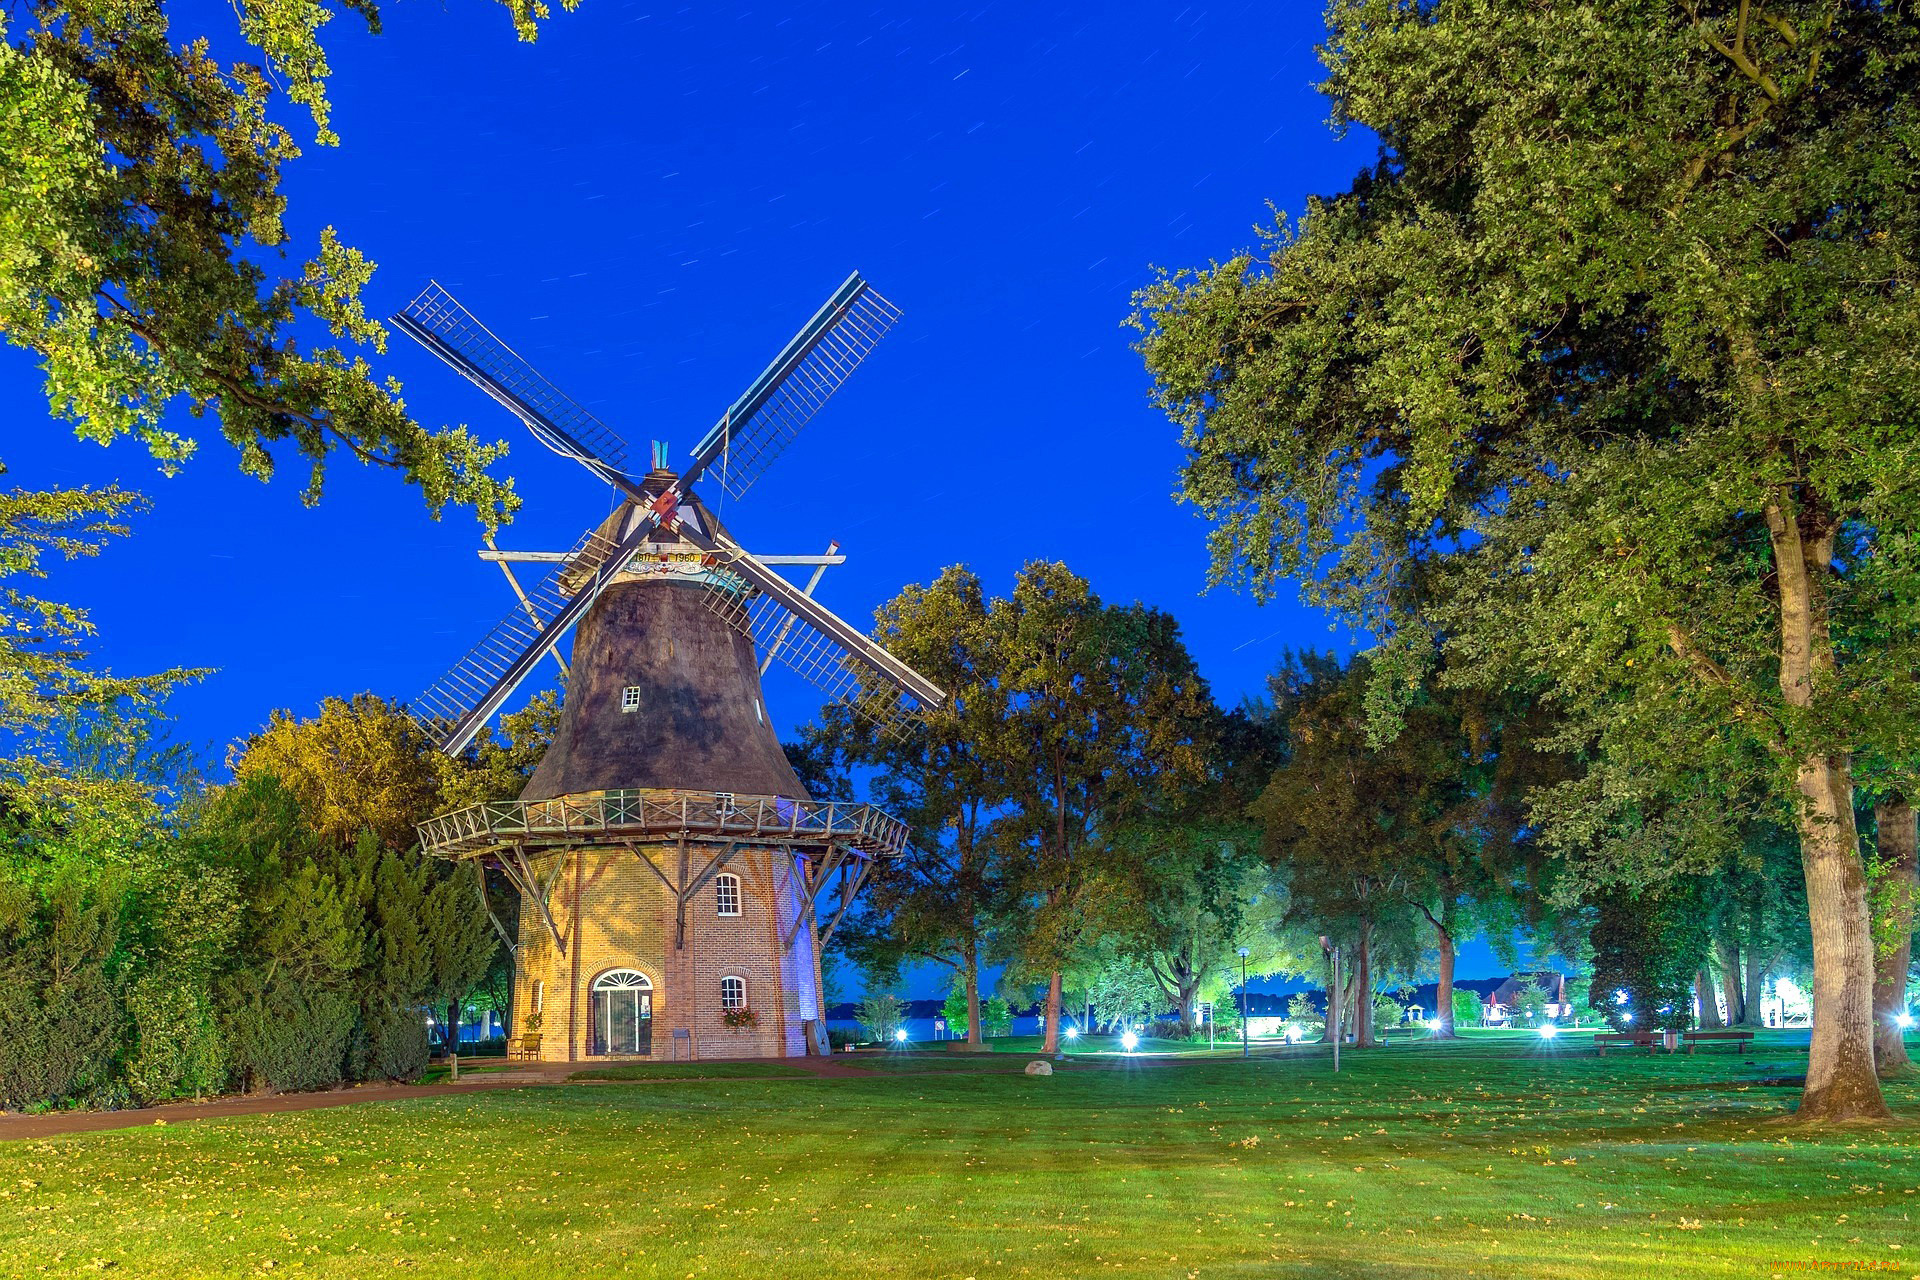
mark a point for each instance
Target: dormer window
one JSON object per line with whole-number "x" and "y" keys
{"x": 630, "y": 698}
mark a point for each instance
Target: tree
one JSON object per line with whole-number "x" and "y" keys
{"x": 1193, "y": 888}
{"x": 461, "y": 949}
{"x": 1604, "y": 375}
{"x": 881, "y": 1017}
{"x": 46, "y": 685}
{"x": 938, "y": 901}
{"x": 1348, "y": 821}
{"x": 1648, "y": 944}
{"x": 1467, "y": 1009}
{"x": 1103, "y": 705}
{"x": 145, "y": 222}
{"x": 361, "y": 765}
{"x": 1894, "y": 893}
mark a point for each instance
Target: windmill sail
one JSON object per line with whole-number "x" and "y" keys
{"x": 758, "y": 426}
{"x": 459, "y": 704}
{"x": 783, "y": 621}
{"x": 790, "y": 626}
{"x": 440, "y": 324}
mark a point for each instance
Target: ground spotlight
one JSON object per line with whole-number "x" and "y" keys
{"x": 901, "y": 1035}
{"x": 1073, "y": 1033}
{"x": 1549, "y": 1031}
{"x": 1433, "y": 1024}
{"x": 1904, "y": 1021}
{"x": 1129, "y": 1042}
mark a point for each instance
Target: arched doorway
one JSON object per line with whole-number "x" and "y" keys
{"x": 622, "y": 1013}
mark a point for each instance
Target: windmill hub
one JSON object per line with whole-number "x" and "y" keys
{"x": 670, "y": 865}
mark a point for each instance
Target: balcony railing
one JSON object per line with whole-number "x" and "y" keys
{"x": 615, "y": 816}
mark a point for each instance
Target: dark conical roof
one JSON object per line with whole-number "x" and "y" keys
{"x": 699, "y": 721}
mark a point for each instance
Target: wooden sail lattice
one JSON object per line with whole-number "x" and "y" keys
{"x": 759, "y": 426}
{"x": 815, "y": 657}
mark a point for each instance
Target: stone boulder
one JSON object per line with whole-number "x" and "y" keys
{"x": 1037, "y": 1068}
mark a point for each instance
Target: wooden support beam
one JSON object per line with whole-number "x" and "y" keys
{"x": 530, "y": 886}
{"x": 527, "y": 604}
{"x": 714, "y": 867}
{"x": 848, "y": 892}
{"x": 680, "y": 912}
{"x": 480, "y": 887}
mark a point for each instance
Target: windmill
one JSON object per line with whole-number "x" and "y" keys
{"x": 664, "y": 750}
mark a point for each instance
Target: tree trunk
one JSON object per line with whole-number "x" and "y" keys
{"x": 1730, "y": 981}
{"x": 1052, "y": 1042}
{"x": 1363, "y": 988}
{"x": 1898, "y": 844}
{"x": 1756, "y": 983}
{"x": 1444, "y": 992}
{"x": 1841, "y": 1084}
{"x": 1709, "y": 1002}
{"x": 453, "y": 1040}
{"x": 972, "y": 979}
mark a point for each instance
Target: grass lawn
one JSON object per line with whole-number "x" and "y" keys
{"x": 692, "y": 1071}
{"x": 1502, "y": 1156}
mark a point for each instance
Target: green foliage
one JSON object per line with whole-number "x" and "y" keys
{"x": 1123, "y": 991}
{"x": 996, "y": 1017}
{"x": 1388, "y": 1012}
{"x": 1603, "y": 382}
{"x": 142, "y": 232}
{"x": 1650, "y": 945}
{"x": 880, "y": 1016}
{"x": 1530, "y": 1005}
{"x": 62, "y": 981}
{"x": 1468, "y": 1011}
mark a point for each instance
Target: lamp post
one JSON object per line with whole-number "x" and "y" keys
{"x": 1244, "y": 1050}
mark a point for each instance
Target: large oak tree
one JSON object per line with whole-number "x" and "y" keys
{"x": 1609, "y": 370}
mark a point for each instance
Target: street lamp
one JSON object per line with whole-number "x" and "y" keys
{"x": 1244, "y": 1008}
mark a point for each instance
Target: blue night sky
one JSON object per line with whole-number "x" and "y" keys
{"x": 646, "y": 203}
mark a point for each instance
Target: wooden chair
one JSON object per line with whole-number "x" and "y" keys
{"x": 524, "y": 1046}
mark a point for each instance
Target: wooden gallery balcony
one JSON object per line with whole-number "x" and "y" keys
{"x": 631, "y": 817}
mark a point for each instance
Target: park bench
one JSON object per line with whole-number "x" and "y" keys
{"x": 1604, "y": 1040}
{"x": 526, "y": 1045}
{"x": 1740, "y": 1039}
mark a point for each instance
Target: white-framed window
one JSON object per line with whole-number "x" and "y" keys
{"x": 733, "y": 994}
{"x": 723, "y": 804}
{"x": 726, "y": 894}
{"x": 539, "y": 995}
{"x": 630, "y": 698}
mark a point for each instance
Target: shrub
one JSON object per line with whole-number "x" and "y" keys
{"x": 1467, "y": 1009}
{"x": 284, "y": 1035}
{"x": 996, "y": 1018}
{"x": 178, "y": 1049}
{"x": 61, "y": 1017}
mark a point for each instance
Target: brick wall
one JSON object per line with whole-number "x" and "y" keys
{"x": 626, "y": 920}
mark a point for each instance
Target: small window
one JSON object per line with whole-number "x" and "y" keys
{"x": 723, "y": 804}
{"x": 726, "y": 894}
{"x": 630, "y": 698}
{"x": 539, "y": 994}
{"x": 733, "y": 994}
